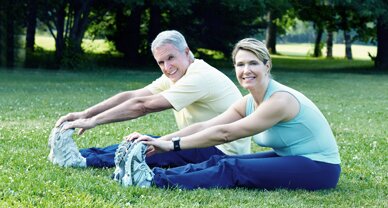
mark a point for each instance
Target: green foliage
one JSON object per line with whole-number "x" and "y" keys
{"x": 31, "y": 102}
{"x": 206, "y": 54}
{"x": 217, "y": 25}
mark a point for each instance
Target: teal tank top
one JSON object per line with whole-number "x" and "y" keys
{"x": 308, "y": 134}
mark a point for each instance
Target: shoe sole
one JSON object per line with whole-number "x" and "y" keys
{"x": 121, "y": 152}
{"x": 60, "y": 141}
{"x": 130, "y": 160}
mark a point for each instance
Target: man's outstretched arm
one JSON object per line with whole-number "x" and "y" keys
{"x": 104, "y": 105}
{"x": 127, "y": 110}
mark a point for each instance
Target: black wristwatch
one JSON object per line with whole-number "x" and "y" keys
{"x": 176, "y": 142}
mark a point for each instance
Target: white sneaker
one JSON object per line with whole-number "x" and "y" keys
{"x": 122, "y": 151}
{"x": 137, "y": 172}
{"x": 53, "y": 135}
{"x": 63, "y": 150}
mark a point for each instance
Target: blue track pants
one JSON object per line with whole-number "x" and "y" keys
{"x": 264, "y": 170}
{"x": 104, "y": 157}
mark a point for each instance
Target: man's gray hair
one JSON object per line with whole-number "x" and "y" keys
{"x": 171, "y": 37}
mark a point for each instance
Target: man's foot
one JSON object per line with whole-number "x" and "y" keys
{"x": 63, "y": 150}
{"x": 137, "y": 172}
{"x": 123, "y": 149}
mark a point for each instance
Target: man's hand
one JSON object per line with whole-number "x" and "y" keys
{"x": 70, "y": 117}
{"x": 83, "y": 124}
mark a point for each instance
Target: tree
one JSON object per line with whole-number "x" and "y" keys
{"x": 126, "y": 35}
{"x": 320, "y": 13}
{"x": 2, "y": 34}
{"x": 277, "y": 20}
{"x": 9, "y": 25}
{"x": 67, "y": 21}
{"x": 381, "y": 62}
{"x": 374, "y": 27}
{"x": 329, "y": 44}
{"x": 32, "y": 11}
{"x": 218, "y": 25}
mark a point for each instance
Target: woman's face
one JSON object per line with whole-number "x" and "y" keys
{"x": 250, "y": 71}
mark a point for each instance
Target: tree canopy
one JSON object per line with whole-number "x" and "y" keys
{"x": 215, "y": 25}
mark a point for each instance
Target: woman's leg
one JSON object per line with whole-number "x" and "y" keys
{"x": 183, "y": 157}
{"x": 213, "y": 160}
{"x": 294, "y": 172}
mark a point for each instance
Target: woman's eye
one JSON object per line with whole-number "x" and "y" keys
{"x": 254, "y": 63}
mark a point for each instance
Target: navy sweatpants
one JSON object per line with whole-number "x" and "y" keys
{"x": 264, "y": 170}
{"x": 104, "y": 157}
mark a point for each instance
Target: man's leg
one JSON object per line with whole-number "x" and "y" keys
{"x": 100, "y": 157}
{"x": 104, "y": 157}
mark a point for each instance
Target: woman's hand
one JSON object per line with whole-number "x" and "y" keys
{"x": 155, "y": 145}
{"x": 133, "y": 136}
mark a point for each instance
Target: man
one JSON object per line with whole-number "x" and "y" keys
{"x": 192, "y": 88}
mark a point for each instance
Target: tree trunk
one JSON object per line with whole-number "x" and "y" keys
{"x": 2, "y": 36}
{"x": 155, "y": 25}
{"x": 348, "y": 45}
{"x": 80, "y": 23}
{"x": 134, "y": 34}
{"x": 119, "y": 39}
{"x": 31, "y": 25}
{"x": 317, "y": 46}
{"x": 381, "y": 62}
{"x": 30, "y": 34}
{"x": 60, "y": 39}
{"x": 10, "y": 33}
{"x": 329, "y": 44}
{"x": 271, "y": 33}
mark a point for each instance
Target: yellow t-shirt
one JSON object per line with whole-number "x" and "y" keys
{"x": 201, "y": 94}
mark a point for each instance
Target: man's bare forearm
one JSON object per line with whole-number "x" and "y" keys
{"x": 107, "y": 104}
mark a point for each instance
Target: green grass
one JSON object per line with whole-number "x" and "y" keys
{"x": 304, "y": 49}
{"x": 356, "y": 106}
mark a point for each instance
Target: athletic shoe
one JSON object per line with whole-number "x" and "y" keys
{"x": 63, "y": 151}
{"x": 53, "y": 135}
{"x": 122, "y": 150}
{"x": 137, "y": 172}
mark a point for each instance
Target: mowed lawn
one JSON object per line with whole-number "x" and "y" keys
{"x": 355, "y": 104}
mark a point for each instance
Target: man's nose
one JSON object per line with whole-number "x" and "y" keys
{"x": 167, "y": 65}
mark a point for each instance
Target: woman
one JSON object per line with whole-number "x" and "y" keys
{"x": 304, "y": 156}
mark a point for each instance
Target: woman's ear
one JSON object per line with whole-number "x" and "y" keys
{"x": 268, "y": 65}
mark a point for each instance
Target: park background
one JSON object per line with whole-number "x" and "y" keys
{"x": 60, "y": 56}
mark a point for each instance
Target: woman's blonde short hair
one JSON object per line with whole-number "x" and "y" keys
{"x": 256, "y": 47}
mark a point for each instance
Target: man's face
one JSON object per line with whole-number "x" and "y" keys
{"x": 171, "y": 61}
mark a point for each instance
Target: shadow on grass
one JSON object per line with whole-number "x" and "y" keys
{"x": 111, "y": 62}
